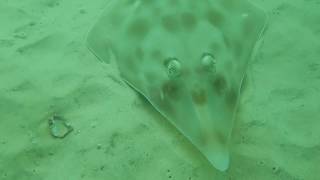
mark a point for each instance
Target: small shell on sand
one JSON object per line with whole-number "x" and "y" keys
{"x": 58, "y": 126}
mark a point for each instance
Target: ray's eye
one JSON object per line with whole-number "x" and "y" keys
{"x": 208, "y": 62}
{"x": 173, "y": 67}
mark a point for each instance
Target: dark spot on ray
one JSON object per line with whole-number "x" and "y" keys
{"x": 188, "y": 20}
{"x": 170, "y": 23}
{"x": 171, "y": 90}
{"x": 199, "y": 96}
{"x": 221, "y": 139}
{"x": 139, "y": 28}
{"x": 219, "y": 84}
{"x": 217, "y": 137}
{"x": 215, "y": 17}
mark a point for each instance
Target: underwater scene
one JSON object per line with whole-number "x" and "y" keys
{"x": 159, "y": 90}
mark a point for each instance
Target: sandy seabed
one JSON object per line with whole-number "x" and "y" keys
{"x": 46, "y": 70}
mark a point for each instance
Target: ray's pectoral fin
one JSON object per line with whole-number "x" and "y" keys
{"x": 98, "y": 43}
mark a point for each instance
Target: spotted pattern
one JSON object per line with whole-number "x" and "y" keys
{"x": 139, "y": 28}
{"x": 143, "y": 34}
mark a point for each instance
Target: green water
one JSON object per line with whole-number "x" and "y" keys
{"x": 69, "y": 112}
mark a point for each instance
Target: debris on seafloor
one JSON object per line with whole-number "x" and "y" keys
{"x": 58, "y": 126}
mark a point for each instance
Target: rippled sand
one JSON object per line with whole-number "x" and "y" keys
{"x": 46, "y": 71}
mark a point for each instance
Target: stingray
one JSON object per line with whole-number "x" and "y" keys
{"x": 188, "y": 58}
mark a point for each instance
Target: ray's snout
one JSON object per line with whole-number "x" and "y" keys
{"x": 214, "y": 128}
